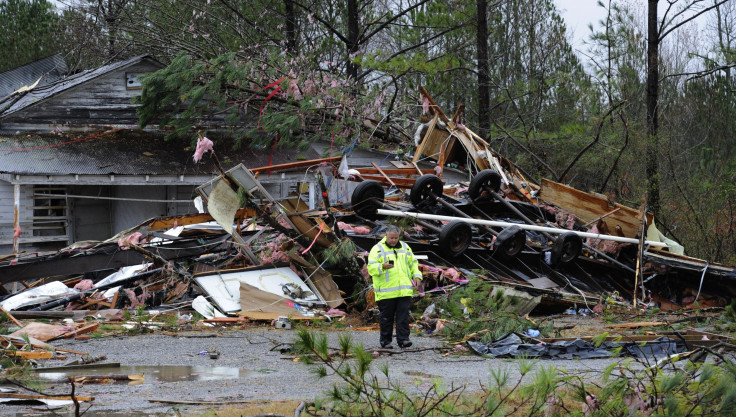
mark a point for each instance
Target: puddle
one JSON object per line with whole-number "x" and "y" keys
{"x": 155, "y": 374}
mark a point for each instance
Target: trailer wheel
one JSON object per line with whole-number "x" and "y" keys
{"x": 367, "y": 198}
{"x": 455, "y": 237}
{"x": 425, "y": 188}
{"x": 486, "y": 178}
{"x": 567, "y": 247}
{"x": 510, "y": 241}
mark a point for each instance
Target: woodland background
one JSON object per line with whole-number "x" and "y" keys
{"x": 645, "y": 113}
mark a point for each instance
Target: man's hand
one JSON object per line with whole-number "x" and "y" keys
{"x": 387, "y": 265}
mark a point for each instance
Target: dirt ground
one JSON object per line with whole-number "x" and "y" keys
{"x": 256, "y": 371}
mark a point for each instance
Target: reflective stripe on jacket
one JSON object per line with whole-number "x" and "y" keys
{"x": 396, "y": 281}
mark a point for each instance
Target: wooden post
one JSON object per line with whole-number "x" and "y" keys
{"x": 16, "y": 226}
{"x": 16, "y": 216}
{"x": 640, "y": 253}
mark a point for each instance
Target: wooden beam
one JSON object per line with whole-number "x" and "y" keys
{"x": 434, "y": 108}
{"x": 10, "y": 316}
{"x": 291, "y": 165}
{"x": 398, "y": 182}
{"x": 34, "y": 354}
{"x": 385, "y": 176}
{"x": 170, "y": 222}
{"x": 395, "y": 171}
{"x": 261, "y": 316}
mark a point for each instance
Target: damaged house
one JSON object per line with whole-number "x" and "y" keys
{"x": 57, "y": 188}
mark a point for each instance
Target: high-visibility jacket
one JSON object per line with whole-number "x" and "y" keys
{"x": 393, "y": 282}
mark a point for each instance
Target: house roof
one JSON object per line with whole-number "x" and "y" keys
{"x": 45, "y": 71}
{"x": 19, "y": 101}
{"x": 128, "y": 152}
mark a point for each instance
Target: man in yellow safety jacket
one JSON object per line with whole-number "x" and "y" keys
{"x": 392, "y": 266}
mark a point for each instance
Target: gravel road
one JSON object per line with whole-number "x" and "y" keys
{"x": 252, "y": 367}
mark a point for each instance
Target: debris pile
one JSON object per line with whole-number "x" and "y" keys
{"x": 252, "y": 256}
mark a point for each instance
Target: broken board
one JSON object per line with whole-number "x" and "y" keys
{"x": 589, "y": 207}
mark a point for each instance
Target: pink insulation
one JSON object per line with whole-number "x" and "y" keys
{"x": 84, "y": 285}
{"x": 134, "y": 239}
{"x": 272, "y": 251}
{"x": 203, "y": 145}
{"x": 136, "y": 301}
{"x": 358, "y": 230}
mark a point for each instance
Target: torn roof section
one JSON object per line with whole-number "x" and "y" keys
{"x": 22, "y": 100}
{"x": 44, "y": 71}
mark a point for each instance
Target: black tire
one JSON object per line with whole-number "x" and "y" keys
{"x": 455, "y": 237}
{"x": 566, "y": 248}
{"x": 510, "y": 242}
{"x": 367, "y": 198}
{"x": 425, "y": 189}
{"x": 486, "y": 178}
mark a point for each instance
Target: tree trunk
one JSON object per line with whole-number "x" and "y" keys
{"x": 484, "y": 99}
{"x": 353, "y": 31}
{"x": 291, "y": 27}
{"x": 652, "y": 169}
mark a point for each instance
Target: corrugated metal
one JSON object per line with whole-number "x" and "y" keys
{"x": 49, "y": 69}
{"x": 20, "y": 101}
{"x": 130, "y": 152}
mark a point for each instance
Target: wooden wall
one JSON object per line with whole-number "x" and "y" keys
{"x": 7, "y": 219}
{"x": 104, "y": 100}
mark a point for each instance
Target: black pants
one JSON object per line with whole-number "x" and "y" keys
{"x": 394, "y": 309}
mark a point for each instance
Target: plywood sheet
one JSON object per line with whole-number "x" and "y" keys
{"x": 589, "y": 207}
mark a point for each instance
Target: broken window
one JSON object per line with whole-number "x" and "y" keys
{"x": 49, "y": 212}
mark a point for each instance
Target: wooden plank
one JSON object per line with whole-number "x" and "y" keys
{"x": 85, "y": 329}
{"x": 395, "y": 171}
{"x": 34, "y": 354}
{"x": 76, "y": 367}
{"x": 227, "y": 320}
{"x": 305, "y": 225}
{"x": 434, "y": 108}
{"x": 169, "y": 222}
{"x": 637, "y": 324}
{"x": 398, "y": 182}
{"x": 261, "y": 316}
{"x": 10, "y": 316}
{"x": 383, "y": 174}
{"x": 292, "y": 165}
{"x": 588, "y": 207}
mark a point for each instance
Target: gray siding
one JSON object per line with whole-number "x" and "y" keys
{"x": 104, "y": 100}
{"x": 7, "y": 196}
{"x": 127, "y": 214}
{"x": 91, "y": 219}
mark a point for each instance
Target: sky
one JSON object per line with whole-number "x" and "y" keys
{"x": 578, "y": 14}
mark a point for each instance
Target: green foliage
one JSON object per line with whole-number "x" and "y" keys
{"x": 476, "y": 309}
{"x": 342, "y": 252}
{"x": 28, "y": 32}
{"x": 624, "y": 389}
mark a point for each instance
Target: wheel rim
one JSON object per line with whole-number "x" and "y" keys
{"x": 459, "y": 241}
{"x": 569, "y": 250}
{"x": 514, "y": 246}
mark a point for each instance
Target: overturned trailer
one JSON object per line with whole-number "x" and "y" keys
{"x": 549, "y": 240}
{"x": 546, "y": 236}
